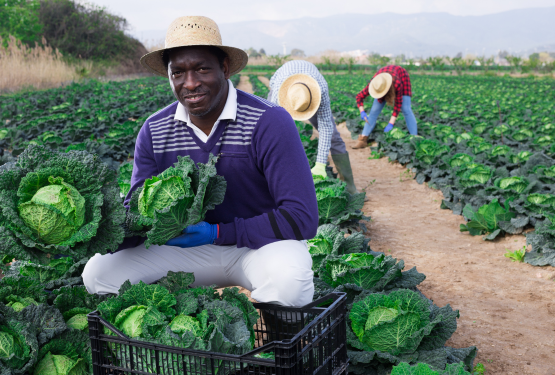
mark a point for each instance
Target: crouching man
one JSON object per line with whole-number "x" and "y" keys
{"x": 254, "y": 239}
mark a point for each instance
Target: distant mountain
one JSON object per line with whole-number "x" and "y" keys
{"x": 423, "y": 34}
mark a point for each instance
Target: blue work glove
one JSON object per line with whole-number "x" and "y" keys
{"x": 388, "y": 128}
{"x": 196, "y": 235}
{"x": 363, "y": 116}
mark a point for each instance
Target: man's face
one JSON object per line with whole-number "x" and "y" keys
{"x": 197, "y": 79}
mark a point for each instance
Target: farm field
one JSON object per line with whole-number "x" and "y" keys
{"x": 495, "y": 297}
{"x": 487, "y": 144}
{"x": 465, "y": 154}
{"x": 492, "y": 293}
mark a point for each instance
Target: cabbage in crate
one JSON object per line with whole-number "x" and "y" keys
{"x": 178, "y": 197}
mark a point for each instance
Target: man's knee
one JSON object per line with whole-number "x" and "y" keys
{"x": 91, "y": 272}
{"x": 295, "y": 285}
{"x": 96, "y": 275}
{"x": 289, "y": 268}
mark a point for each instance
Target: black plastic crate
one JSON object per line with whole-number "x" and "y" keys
{"x": 319, "y": 348}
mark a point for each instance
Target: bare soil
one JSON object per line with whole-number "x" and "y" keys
{"x": 507, "y": 309}
{"x": 245, "y": 84}
{"x": 264, "y": 80}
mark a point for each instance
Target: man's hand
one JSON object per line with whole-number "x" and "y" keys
{"x": 363, "y": 116}
{"x": 319, "y": 170}
{"x": 388, "y": 128}
{"x": 196, "y": 235}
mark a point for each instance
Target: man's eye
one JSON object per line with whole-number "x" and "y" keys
{"x": 177, "y": 73}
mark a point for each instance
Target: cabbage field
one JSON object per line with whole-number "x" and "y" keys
{"x": 486, "y": 143}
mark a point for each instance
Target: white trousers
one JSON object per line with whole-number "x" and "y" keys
{"x": 279, "y": 273}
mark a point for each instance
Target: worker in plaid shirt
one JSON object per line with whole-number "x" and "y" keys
{"x": 391, "y": 85}
{"x": 329, "y": 140}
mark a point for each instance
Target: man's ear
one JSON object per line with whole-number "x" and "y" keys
{"x": 225, "y": 66}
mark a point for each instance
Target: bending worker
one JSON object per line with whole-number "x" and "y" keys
{"x": 255, "y": 238}
{"x": 299, "y": 87}
{"x": 391, "y": 85}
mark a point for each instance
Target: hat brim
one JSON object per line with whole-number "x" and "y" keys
{"x": 315, "y": 91}
{"x": 153, "y": 61}
{"x": 378, "y": 95}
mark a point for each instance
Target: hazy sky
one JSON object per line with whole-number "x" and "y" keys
{"x": 156, "y": 15}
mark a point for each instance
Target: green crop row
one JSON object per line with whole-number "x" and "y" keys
{"x": 258, "y": 87}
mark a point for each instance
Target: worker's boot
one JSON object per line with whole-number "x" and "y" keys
{"x": 343, "y": 166}
{"x": 362, "y": 142}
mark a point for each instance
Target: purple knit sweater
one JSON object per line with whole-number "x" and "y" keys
{"x": 270, "y": 194}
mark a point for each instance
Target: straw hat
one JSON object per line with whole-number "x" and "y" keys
{"x": 300, "y": 95}
{"x": 380, "y": 84}
{"x": 194, "y": 31}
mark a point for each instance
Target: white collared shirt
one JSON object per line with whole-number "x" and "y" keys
{"x": 229, "y": 113}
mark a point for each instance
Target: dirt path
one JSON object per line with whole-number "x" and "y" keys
{"x": 507, "y": 309}
{"x": 245, "y": 84}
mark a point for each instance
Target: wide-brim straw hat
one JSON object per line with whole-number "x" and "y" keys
{"x": 194, "y": 31}
{"x": 380, "y": 84}
{"x": 300, "y": 95}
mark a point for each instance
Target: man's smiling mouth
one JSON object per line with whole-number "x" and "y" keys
{"x": 195, "y": 98}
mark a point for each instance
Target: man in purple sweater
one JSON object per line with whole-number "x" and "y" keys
{"x": 255, "y": 238}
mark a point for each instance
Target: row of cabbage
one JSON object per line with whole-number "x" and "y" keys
{"x": 497, "y": 187}
{"x": 488, "y": 145}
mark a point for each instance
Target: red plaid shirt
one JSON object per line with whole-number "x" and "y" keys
{"x": 402, "y": 87}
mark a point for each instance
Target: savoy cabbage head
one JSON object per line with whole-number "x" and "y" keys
{"x": 336, "y": 206}
{"x": 500, "y": 150}
{"x": 329, "y": 240}
{"x": 473, "y": 174}
{"x": 486, "y": 219}
{"x": 460, "y": 159}
{"x": 23, "y": 332}
{"x": 402, "y": 326}
{"x": 515, "y": 184}
{"x": 66, "y": 354}
{"x": 178, "y": 197}
{"x": 394, "y": 323}
{"x": 364, "y": 270}
{"x": 404, "y": 368}
{"x": 58, "y": 203}
{"x": 427, "y": 150}
{"x": 542, "y": 204}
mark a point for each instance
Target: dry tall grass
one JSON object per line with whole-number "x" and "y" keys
{"x": 39, "y": 67}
